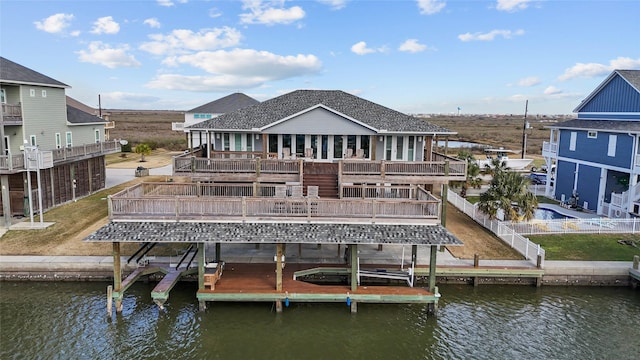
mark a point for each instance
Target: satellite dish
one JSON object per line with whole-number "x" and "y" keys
{"x": 123, "y": 142}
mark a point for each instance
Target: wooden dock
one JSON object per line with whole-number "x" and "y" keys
{"x": 257, "y": 282}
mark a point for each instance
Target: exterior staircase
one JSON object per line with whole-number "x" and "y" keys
{"x": 322, "y": 175}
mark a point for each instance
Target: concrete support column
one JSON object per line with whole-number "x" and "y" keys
{"x": 6, "y": 200}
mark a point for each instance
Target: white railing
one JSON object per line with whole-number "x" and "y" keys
{"x": 549, "y": 148}
{"x": 597, "y": 225}
{"x": 177, "y": 126}
{"x": 16, "y": 162}
{"x": 523, "y": 245}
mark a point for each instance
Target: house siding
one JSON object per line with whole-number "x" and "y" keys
{"x": 43, "y": 115}
{"x": 319, "y": 121}
{"x": 595, "y": 150}
{"x": 588, "y": 178}
{"x": 616, "y": 96}
{"x": 565, "y": 174}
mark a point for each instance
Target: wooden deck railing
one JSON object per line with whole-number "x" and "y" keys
{"x": 215, "y": 202}
{"x": 16, "y": 162}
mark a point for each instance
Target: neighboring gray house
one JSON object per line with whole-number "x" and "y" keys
{"x": 320, "y": 125}
{"x": 35, "y": 115}
{"x": 211, "y": 110}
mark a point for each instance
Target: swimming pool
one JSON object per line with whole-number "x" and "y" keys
{"x": 547, "y": 214}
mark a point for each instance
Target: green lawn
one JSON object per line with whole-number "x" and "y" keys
{"x": 587, "y": 247}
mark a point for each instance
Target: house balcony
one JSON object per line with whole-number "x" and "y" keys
{"x": 110, "y": 125}
{"x": 15, "y": 163}
{"x": 256, "y": 169}
{"x": 549, "y": 149}
{"x": 12, "y": 114}
{"x": 216, "y": 202}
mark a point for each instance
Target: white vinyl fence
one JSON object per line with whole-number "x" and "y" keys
{"x": 501, "y": 229}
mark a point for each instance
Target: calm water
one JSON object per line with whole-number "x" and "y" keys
{"x": 546, "y": 214}
{"x": 69, "y": 321}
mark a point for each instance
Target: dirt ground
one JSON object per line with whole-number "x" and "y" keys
{"x": 476, "y": 239}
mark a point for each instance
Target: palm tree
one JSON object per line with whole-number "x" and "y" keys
{"x": 143, "y": 149}
{"x": 509, "y": 192}
{"x": 473, "y": 173}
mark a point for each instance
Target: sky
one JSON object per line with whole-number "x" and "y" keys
{"x": 418, "y": 57}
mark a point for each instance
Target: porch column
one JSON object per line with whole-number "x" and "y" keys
{"x": 414, "y": 260}
{"x": 6, "y": 200}
{"x": 445, "y": 190}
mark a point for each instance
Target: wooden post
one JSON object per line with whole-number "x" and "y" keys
{"x": 109, "y": 299}
{"x": 201, "y": 269}
{"x": 432, "y": 268}
{"x": 354, "y": 267}
{"x": 117, "y": 275}
{"x": 218, "y": 252}
{"x": 279, "y": 267}
{"x": 476, "y": 263}
{"x": 445, "y": 190}
{"x": 636, "y": 262}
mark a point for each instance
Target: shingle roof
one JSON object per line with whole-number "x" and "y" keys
{"x": 250, "y": 233}
{"x": 15, "y": 73}
{"x": 359, "y": 109}
{"x": 77, "y": 116}
{"x": 609, "y": 125}
{"x": 80, "y": 106}
{"x": 226, "y": 104}
{"x": 632, "y": 77}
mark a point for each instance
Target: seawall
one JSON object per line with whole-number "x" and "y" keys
{"x": 100, "y": 268}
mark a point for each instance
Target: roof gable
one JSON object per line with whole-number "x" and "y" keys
{"x": 11, "y": 72}
{"x": 619, "y": 93}
{"x": 359, "y": 110}
{"x": 319, "y": 120}
{"x": 226, "y": 104}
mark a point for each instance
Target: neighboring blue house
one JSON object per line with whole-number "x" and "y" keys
{"x": 597, "y": 155}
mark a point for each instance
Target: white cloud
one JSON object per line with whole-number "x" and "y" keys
{"x": 152, "y": 22}
{"x": 238, "y": 68}
{"x": 412, "y": 46}
{"x": 430, "y": 7}
{"x": 165, "y": 3}
{"x": 335, "y": 4}
{"x": 182, "y": 40}
{"x": 552, "y": 90}
{"x": 125, "y": 97}
{"x": 490, "y": 36}
{"x": 214, "y": 13}
{"x": 266, "y": 13}
{"x": 75, "y": 33}
{"x": 105, "y": 25}
{"x": 55, "y": 23}
{"x": 529, "y": 81}
{"x": 361, "y": 48}
{"x": 512, "y": 5}
{"x": 105, "y": 55}
{"x": 594, "y": 69}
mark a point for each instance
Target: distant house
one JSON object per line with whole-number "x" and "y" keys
{"x": 597, "y": 155}
{"x": 320, "y": 125}
{"x": 95, "y": 112}
{"x": 212, "y": 110}
{"x": 65, "y": 143}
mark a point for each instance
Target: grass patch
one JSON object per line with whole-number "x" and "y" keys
{"x": 587, "y": 247}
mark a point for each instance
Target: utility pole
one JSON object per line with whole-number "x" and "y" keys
{"x": 524, "y": 130}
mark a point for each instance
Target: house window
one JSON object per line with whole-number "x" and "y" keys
{"x": 226, "y": 146}
{"x": 412, "y": 140}
{"x": 97, "y": 133}
{"x": 32, "y": 92}
{"x": 249, "y": 139}
{"x": 3, "y": 96}
{"x": 300, "y": 145}
{"x": 69, "y": 142}
{"x": 337, "y": 146}
{"x": 44, "y": 93}
{"x": 58, "y": 141}
{"x": 572, "y": 141}
{"x": 273, "y": 143}
{"x": 32, "y": 140}
{"x": 592, "y": 134}
{"x": 613, "y": 140}
{"x": 387, "y": 148}
{"x": 7, "y": 146}
{"x": 399, "y": 147}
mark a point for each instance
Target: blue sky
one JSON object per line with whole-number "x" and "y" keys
{"x": 425, "y": 56}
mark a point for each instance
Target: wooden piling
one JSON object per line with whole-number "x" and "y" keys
{"x": 109, "y": 299}
{"x": 636, "y": 262}
{"x": 117, "y": 275}
{"x": 279, "y": 270}
{"x": 433, "y": 251}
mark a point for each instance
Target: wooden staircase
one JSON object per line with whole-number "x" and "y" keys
{"x": 322, "y": 175}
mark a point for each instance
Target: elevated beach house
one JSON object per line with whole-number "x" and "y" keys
{"x": 310, "y": 168}
{"x": 597, "y": 155}
{"x": 45, "y": 142}
{"x": 211, "y": 110}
